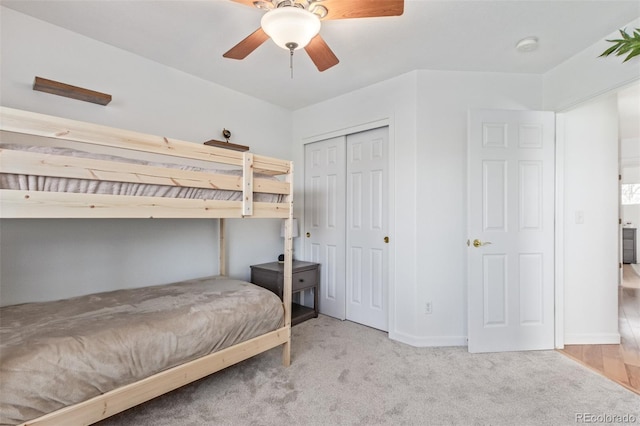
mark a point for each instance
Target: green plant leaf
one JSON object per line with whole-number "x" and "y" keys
{"x": 624, "y": 49}
{"x": 609, "y": 51}
{"x": 632, "y": 54}
{"x": 628, "y": 45}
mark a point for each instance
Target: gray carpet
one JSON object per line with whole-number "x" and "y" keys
{"x": 346, "y": 374}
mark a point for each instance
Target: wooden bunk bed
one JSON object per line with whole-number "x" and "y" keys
{"x": 115, "y": 157}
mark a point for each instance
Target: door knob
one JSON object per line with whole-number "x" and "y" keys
{"x": 386, "y": 240}
{"x": 478, "y": 243}
{"x": 308, "y": 234}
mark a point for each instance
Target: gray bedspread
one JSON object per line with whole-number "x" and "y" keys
{"x": 90, "y": 186}
{"x": 55, "y": 354}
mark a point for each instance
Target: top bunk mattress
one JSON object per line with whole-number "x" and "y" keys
{"x": 55, "y": 354}
{"x": 94, "y": 186}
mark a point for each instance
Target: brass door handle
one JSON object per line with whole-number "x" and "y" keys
{"x": 478, "y": 243}
{"x": 386, "y": 240}
{"x": 308, "y": 234}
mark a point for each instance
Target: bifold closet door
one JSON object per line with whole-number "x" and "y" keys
{"x": 324, "y": 230}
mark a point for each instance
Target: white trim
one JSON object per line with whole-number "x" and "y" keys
{"x": 592, "y": 339}
{"x": 468, "y": 223}
{"x": 428, "y": 342}
{"x": 357, "y": 128}
{"x": 559, "y": 232}
{"x": 391, "y": 223}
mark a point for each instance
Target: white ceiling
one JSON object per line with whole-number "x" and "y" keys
{"x": 477, "y": 35}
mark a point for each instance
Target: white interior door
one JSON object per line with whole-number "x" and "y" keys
{"x": 324, "y": 205}
{"x": 511, "y": 221}
{"x": 366, "y": 226}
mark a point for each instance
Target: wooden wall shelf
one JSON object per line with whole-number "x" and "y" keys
{"x": 56, "y": 88}
{"x": 227, "y": 145}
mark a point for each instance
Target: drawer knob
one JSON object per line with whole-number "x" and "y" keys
{"x": 301, "y": 280}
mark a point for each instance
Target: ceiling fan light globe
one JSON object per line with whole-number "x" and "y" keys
{"x": 286, "y": 25}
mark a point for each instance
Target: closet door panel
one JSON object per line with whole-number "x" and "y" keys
{"x": 325, "y": 189}
{"x": 367, "y": 227}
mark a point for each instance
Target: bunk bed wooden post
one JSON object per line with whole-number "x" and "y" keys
{"x": 222, "y": 230}
{"x": 288, "y": 269}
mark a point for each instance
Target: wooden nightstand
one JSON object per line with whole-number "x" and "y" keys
{"x": 306, "y": 275}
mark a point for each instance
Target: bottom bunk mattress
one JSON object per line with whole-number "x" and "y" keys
{"x": 55, "y": 354}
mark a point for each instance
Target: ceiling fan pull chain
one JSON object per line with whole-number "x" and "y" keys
{"x": 291, "y": 63}
{"x": 291, "y": 47}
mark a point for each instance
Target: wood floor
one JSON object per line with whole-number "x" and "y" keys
{"x": 620, "y": 363}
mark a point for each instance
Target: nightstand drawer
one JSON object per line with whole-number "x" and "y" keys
{"x": 304, "y": 279}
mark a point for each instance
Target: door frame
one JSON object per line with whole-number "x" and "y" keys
{"x": 559, "y": 231}
{"x": 357, "y": 128}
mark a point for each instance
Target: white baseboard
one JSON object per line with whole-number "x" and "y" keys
{"x": 592, "y": 339}
{"x": 428, "y": 342}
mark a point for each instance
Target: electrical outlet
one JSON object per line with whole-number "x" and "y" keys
{"x": 428, "y": 308}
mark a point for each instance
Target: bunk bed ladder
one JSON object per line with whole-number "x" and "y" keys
{"x": 247, "y": 184}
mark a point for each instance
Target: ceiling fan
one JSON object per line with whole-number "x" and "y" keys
{"x": 295, "y": 24}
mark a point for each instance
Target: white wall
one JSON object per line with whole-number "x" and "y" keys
{"x": 427, "y": 112}
{"x": 591, "y": 243}
{"x": 81, "y": 256}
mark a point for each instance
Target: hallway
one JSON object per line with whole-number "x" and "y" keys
{"x": 620, "y": 363}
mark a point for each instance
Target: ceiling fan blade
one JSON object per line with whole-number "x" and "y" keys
{"x": 248, "y": 45}
{"x": 321, "y": 54}
{"x": 346, "y": 9}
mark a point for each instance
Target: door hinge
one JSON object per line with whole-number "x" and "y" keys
{"x": 619, "y": 221}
